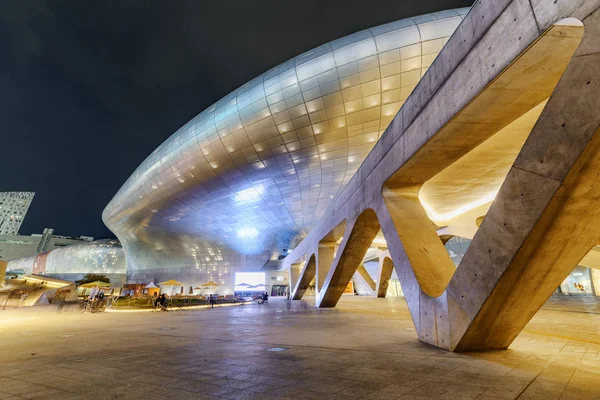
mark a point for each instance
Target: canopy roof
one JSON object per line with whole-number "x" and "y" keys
{"x": 210, "y": 283}
{"x": 151, "y": 285}
{"x": 171, "y": 282}
{"x": 95, "y": 284}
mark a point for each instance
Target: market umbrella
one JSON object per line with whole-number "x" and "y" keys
{"x": 99, "y": 284}
{"x": 209, "y": 283}
{"x": 171, "y": 284}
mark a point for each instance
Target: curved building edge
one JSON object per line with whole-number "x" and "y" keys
{"x": 248, "y": 177}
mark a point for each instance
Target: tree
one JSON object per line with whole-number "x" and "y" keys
{"x": 87, "y": 278}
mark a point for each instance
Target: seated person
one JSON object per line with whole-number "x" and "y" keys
{"x": 160, "y": 301}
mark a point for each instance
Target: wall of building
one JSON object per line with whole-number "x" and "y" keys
{"x": 13, "y": 207}
{"x": 19, "y": 246}
{"x": 280, "y": 278}
{"x": 72, "y": 262}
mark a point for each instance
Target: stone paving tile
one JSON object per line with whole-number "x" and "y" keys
{"x": 356, "y": 392}
{"x": 41, "y": 393}
{"x": 63, "y": 396}
{"x": 19, "y": 387}
{"x": 374, "y": 356}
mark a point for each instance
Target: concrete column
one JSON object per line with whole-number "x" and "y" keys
{"x": 325, "y": 257}
{"x": 595, "y": 275}
{"x": 294, "y": 271}
{"x": 305, "y": 278}
{"x": 425, "y": 251}
{"x": 349, "y": 256}
{"x": 362, "y": 271}
{"x": 386, "y": 267}
{"x": 3, "y": 266}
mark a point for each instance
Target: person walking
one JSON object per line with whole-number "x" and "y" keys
{"x": 212, "y": 301}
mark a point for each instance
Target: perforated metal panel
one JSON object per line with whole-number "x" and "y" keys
{"x": 13, "y": 207}
{"x": 99, "y": 257}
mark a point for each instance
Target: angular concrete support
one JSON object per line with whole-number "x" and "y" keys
{"x": 386, "y": 267}
{"x": 295, "y": 269}
{"x": 506, "y": 58}
{"x": 3, "y": 265}
{"x": 352, "y": 251}
{"x": 545, "y": 218}
{"x": 327, "y": 250}
{"x": 595, "y": 280}
{"x": 365, "y": 275}
{"x": 305, "y": 278}
{"x": 325, "y": 256}
{"x": 424, "y": 249}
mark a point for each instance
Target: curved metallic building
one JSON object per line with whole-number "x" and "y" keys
{"x": 72, "y": 262}
{"x": 249, "y": 176}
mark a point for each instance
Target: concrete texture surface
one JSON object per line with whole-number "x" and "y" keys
{"x": 386, "y": 266}
{"x": 509, "y": 62}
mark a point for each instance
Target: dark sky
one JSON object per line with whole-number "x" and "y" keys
{"x": 89, "y": 88}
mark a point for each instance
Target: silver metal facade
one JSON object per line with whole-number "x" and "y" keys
{"x": 99, "y": 257}
{"x": 13, "y": 207}
{"x": 249, "y": 176}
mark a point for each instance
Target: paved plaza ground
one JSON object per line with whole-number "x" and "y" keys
{"x": 364, "y": 348}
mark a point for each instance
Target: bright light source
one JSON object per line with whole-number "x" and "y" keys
{"x": 249, "y": 282}
{"x": 247, "y": 232}
{"x": 460, "y": 210}
{"x": 249, "y": 195}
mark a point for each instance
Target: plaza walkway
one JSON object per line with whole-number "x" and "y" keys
{"x": 365, "y": 348}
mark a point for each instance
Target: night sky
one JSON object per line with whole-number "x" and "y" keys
{"x": 88, "y": 89}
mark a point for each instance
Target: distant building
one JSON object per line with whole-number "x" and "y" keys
{"x": 13, "y": 207}
{"x": 104, "y": 257}
{"x": 18, "y": 246}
